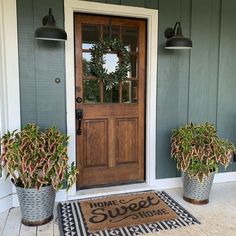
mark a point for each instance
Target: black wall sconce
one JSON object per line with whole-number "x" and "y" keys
{"x": 175, "y": 38}
{"x": 49, "y": 30}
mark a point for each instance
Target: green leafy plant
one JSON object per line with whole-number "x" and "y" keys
{"x": 198, "y": 150}
{"x": 97, "y": 62}
{"x": 35, "y": 158}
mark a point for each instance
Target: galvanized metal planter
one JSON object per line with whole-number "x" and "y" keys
{"x": 196, "y": 192}
{"x": 36, "y": 206}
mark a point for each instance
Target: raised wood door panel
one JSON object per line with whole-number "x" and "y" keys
{"x": 126, "y": 141}
{"x": 95, "y": 143}
{"x": 110, "y": 149}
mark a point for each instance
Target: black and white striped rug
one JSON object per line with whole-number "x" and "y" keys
{"x": 72, "y": 221}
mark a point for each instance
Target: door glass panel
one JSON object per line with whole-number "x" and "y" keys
{"x": 134, "y": 65}
{"x": 129, "y": 91}
{"x": 111, "y": 62}
{"x": 90, "y": 35}
{"x": 91, "y": 91}
{"x": 86, "y": 58}
{"x": 111, "y": 96}
{"x": 130, "y": 38}
{"x": 115, "y": 31}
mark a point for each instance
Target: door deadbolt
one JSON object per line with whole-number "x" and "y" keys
{"x": 79, "y": 99}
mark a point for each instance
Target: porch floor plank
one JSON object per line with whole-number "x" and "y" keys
{"x": 45, "y": 230}
{"x": 27, "y": 231}
{"x": 3, "y": 219}
{"x": 217, "y": 218}
{"x": 13, "y": 224}
{"x": 56, "y": 231}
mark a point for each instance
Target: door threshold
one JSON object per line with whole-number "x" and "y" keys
{"x": 104, "y": 191}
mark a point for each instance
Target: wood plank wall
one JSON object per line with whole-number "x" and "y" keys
{"x": 194, "y": 86}
{"x": 42, "y": 100}
{"x": 226, "y": 109}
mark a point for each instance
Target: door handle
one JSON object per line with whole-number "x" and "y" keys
{"x": 79, "y": 118}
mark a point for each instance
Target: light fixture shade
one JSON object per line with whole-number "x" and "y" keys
{"x": 178, "y": 43}
{"x": 50, "y": 33}
{"x": 175, "y": 38}
{"x": 49, "y": 30}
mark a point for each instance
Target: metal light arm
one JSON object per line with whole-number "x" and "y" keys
{"x": 49, "y": 19}
{"x": 176, "y": 31}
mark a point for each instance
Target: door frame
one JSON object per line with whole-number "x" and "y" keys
{"x": 71, "y": 6}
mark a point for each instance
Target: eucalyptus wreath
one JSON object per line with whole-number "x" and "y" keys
{"x": 97, "y": 61}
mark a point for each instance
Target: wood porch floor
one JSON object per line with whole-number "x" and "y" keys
{"x": 218, "y": 218}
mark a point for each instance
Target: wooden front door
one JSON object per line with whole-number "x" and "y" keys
{"x": 110, "y": 134}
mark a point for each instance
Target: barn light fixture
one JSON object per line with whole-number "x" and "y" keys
{"x": 175, "y": 38}
{"x": 49, "y": 30}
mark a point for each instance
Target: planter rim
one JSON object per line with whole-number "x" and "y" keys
{"x": 31, "y": 189}
{"x": 185, "y": 173}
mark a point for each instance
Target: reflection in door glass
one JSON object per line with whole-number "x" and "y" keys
{"x": 90, "y": 35}
{"x": 111, "y": 96}
{"x": 129, "y": 91}
{"x": 85, "y": 63}
{"x": 111, "y": 62}
{"x": 134, "y": 66}
{"x": 114, "y": 33}
{"x": 130, "y": 38}
{"x": 91, "y": 91}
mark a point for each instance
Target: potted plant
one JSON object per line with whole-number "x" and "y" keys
{"x": 37, "y": 163}
{"x": 199, "y": 151}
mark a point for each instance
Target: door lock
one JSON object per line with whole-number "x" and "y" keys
{"x": 79, "y": 100}
{"x": 79, "y": 118}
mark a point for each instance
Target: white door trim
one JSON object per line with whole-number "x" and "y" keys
{"x": 72, "y": 6}
{"x": 9, "y": 84}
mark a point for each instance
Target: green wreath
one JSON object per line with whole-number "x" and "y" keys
{"x": 97, "y": 61}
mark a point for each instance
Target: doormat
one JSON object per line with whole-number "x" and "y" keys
{"x": 124, "y": 214}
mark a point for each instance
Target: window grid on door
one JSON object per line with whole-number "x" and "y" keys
{"x": 94, "y": 92}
